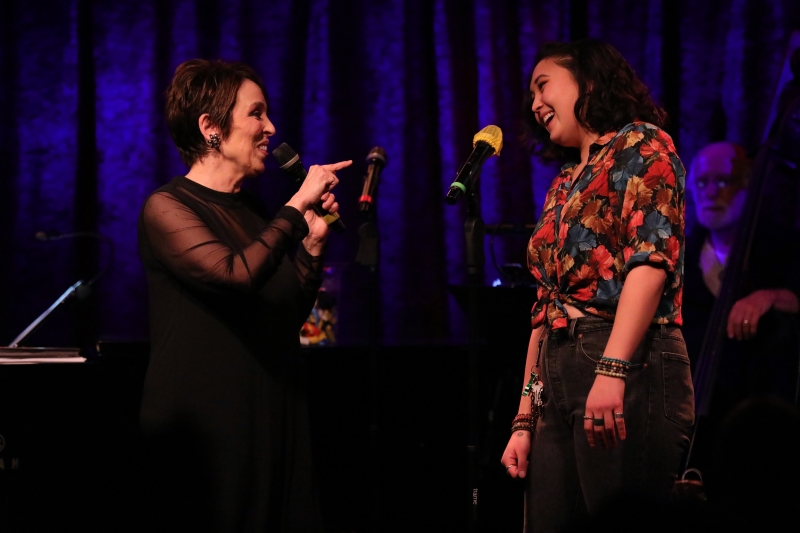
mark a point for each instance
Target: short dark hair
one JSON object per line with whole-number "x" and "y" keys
{"x": 203, "y": 86}
{"x": 610, "y": 95}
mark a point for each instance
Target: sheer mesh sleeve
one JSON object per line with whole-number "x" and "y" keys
{"x": 198, "y": 244}
{"x": 309, "y": 272}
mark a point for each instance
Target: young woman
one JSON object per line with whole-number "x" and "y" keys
{"x": 617, "y": 403}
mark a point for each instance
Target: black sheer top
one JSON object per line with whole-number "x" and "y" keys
{"x": 227, "y": 287}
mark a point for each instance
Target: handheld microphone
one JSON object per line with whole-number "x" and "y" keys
{"x": 377, "y": 161}
{"x": 290, "y": 162}
{"x": 487, "y": 142}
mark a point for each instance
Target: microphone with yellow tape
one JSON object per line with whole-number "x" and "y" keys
{"x": 486, "y": 143}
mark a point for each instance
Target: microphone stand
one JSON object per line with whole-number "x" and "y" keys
{"x": 487, "y": 142}
{"x": 368, "y": 254}
{"x": 78, "y": 289}
{"x": 474, "y": 232}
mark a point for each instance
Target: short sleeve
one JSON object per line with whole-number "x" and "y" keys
{"x": 652, "y": 215}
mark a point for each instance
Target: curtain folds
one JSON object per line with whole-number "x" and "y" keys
{"x": 84, "y": 141}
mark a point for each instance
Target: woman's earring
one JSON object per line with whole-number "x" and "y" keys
{"x": 214, "y": 141}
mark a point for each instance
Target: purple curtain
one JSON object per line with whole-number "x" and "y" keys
{"x": 83, "y": 139}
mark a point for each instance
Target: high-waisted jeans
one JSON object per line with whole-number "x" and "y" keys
{"x": 567, "y": 479}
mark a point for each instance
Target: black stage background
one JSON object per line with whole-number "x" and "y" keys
{"x": 73, "y": 430}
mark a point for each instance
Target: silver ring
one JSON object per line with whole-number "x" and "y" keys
{"x": 587, "y": 417}
{"x": 509, "y": 466}
{"x": 618, "y": 415}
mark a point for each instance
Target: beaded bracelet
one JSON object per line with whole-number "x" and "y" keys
{"x": 524, "y": 421}
{"x": 616, "y": 368}
{"x": 528, "y": 426}
{"x": 611, "y": 374}
{"x": 606, "y": 371}
{"x": 611, "y": 361}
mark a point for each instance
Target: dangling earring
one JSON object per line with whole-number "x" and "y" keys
{"x": 214, "y": 141}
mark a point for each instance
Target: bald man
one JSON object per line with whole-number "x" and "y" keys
{"x": 717, "y": 180}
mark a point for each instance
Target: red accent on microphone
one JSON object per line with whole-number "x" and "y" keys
{"x": 365, "y": 198}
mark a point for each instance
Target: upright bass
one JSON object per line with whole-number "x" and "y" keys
{"x": 771, "y": 205}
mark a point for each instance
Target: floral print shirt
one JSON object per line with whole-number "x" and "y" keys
{"x": 625, "y": 209}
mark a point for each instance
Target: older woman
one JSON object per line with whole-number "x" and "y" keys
{"x": 617, "y": 402}
{"x": 224, "y": 410}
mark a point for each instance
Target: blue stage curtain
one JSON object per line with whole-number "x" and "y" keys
{"x": 83, "y": 139}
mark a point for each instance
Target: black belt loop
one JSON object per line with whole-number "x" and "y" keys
{"x": 664, "y": 331}
{"x": 573, "y": 322}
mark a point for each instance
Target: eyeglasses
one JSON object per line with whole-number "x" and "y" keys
{"x": 721, "y": 182}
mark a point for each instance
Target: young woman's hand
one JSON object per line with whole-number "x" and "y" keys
{"x": 515, "y": 458}
{"x": 603, "y": 417}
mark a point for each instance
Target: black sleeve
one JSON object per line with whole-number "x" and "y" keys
{"x": 182, "y": 242}
{"x": 309, "y": 272}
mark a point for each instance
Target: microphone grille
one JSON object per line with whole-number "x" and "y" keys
{"x": 491, "y": 135}
{"x": 284, "y": 154}
{"x": 377, "y": 153}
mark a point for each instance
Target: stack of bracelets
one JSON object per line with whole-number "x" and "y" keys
{"x": 524, "y": 421}
{"x": 616, "y": 368}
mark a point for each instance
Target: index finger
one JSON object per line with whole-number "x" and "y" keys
{"x": 734, "y": 326}
{"x": 336, "y": 166}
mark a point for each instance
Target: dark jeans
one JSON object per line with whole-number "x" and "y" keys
{"x": 567, "y": 479}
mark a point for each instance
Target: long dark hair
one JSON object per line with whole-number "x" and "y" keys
{"x": 610, "y": 94}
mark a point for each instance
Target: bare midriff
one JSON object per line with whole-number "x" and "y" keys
{"x": 573, "y": 312}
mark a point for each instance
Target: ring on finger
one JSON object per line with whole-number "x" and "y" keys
{"x": 587, "y": 417}
{"x": 618, "y": 415}
{"x": 598, "y": 422}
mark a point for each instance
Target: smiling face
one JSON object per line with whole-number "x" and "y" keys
{"x": 554, "y": 92}
{"x": 719, "y": 194}
{"x": 245, "y": 147}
